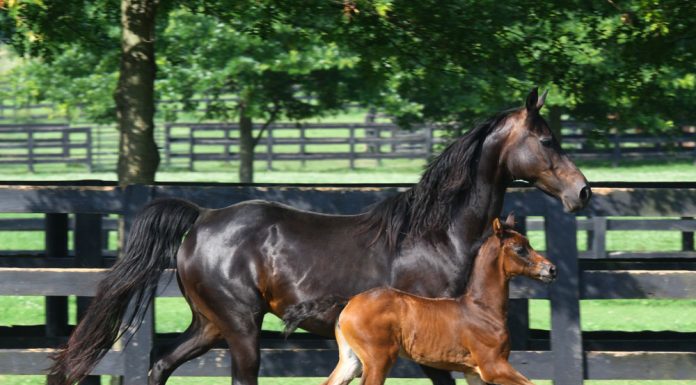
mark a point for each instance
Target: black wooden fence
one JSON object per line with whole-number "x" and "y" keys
{"x": 186, "y": 144}
{"x": 289, "y": 141}
{"x": 566, "y": 354}
{"x": 31, "y": 144}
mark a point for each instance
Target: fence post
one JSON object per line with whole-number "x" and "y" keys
{"x": 167, "y": 144}
{"x": 64, "y": 142}
{"x": 88, "y": 253}
{"x": 688, "y": 238}
{"x": 137, "y": 352}
{"x": 30, "y": 149}
{"x": 598, "y": 241}
{"x": 429, "y": 142}
{"x": 269, "y": 147}
{"x": 566, "y": 334}
{"x": 56, "y": 228}
{"x": 90, "y": 162}
{"x": 303, "y": 139}
{"x": 351, "y": 143}
{"x": 191, "y": 151}
{"x": 616, "y": 154}
{"x": 518, "y": 309}
{"x": 228, "y": 140}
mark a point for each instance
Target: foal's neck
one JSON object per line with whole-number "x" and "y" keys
{"x": 488, "y": 284}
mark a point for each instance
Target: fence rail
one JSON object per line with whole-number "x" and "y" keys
{"x": 565, "y": 354}
{"x": 201, "y": 142}
{"x": 188, "y": 144}
{"x": 31, "y": 144}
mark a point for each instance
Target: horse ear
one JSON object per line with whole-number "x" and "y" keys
{"x": 497, "y": 227}
{"x": 532, "y": 99}
{"x": 542, "y": 99}
{"x": 510, "y": 220}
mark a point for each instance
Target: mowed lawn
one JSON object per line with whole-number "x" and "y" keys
{"x": 173, "y": 314}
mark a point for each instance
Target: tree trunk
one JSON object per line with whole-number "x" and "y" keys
{"x": 246, "y": 148}
{"x": 135, "y": 99}
{"x": 554, "y": 122}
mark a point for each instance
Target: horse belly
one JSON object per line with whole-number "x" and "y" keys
{"x": 306, "y": 264}
{"x": 441, "y": 357}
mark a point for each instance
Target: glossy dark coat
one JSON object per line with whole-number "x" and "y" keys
{"x": 240, "y": 262}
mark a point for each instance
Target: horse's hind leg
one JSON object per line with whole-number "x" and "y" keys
{"x": 349, "y": 365}
{"x": 241, "y": 331}
{"x": 198, "y": 338}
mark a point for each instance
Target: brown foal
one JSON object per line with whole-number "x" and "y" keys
{"x": 467, "y": 334}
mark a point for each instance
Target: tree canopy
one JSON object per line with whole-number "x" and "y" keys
{"x": 615, "y": 64}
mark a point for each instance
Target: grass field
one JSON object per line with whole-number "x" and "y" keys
{"x": 337, "y": 171}
{"x": 173, "y": 315}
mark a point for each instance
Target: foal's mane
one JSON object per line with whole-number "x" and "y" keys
{"x": 425, "y": 210}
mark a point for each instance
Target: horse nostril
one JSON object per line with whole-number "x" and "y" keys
{"x": 585, "y": 194}
{"x": 552, "y": 271}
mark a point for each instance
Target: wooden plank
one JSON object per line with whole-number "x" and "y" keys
{"x": 652, "y": 224}
{"x": 49, "y": 282}
{"x": 614, "y": 284}
{"x": 566, "y": 334}
{"x": 57, "y": 199}
{"x": 22, "y": 224}
{"x": 83, "y": 281}
{"x": 606, "y": 201}
{"x": 35, "y": 361}
{"x": 642, "y": 202}
{"x": 638, "y": 255}
{"x": 320, "y": 363}
{"x": 641, "y": 365}
{"x": 666, "y": 341}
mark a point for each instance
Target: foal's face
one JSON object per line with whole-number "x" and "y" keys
{"x": 519, "y": 258}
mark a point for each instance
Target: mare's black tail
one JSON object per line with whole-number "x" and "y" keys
{"x": 295, "y": 314}
{"x": 153, "y": 241}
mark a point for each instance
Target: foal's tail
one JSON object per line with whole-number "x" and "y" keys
{"x": 317, "y": 309}
{"x": 153, "y": 241}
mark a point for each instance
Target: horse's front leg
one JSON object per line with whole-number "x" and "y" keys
{"x": 501, "y": 372}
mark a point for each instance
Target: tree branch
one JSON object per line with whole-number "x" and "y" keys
{"x": 271, "y": 119}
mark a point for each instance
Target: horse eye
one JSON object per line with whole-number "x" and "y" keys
{"x": 546, "y": 142}
{"x": 521, "y": 250}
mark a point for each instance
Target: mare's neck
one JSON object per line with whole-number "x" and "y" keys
{"x": 475, "y": 212}
{"x": 488, "y": 284}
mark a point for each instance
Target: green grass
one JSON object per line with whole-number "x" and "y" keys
{"x": 337, "y": 171}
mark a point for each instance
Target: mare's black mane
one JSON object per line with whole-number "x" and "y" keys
{"x": 425, "y": 209}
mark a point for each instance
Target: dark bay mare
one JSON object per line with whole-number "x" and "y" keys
{"x": 238, "y": 263}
